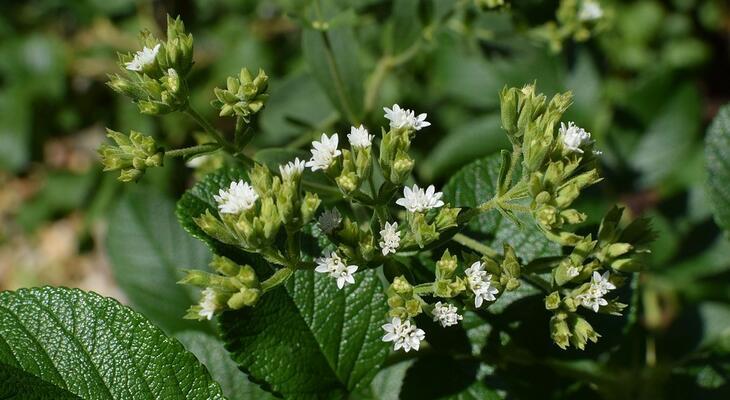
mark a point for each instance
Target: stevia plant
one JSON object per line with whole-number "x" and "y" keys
{"x": 352, "y": 209}
{"x": 326, "y": 262}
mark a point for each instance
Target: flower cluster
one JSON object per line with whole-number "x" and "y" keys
{"x": 367, "y": 224}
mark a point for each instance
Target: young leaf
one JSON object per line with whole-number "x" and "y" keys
{"x": 148, "y": 251}
{"x": 62, "y": 343}
{"x": 477, "y": 183}
{"x": 717, "y": 156}
{"x": 211, "y": 353}
{"x": 309, "y": 339}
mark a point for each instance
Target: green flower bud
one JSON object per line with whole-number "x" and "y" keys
{"x": 508, "y": 99}
{"x": 572, "y": 216}
{"x": 618, "y": 249}
{"x": 566, "y": 271}
{"x": 363, "y": 162}
{"x": 247, "y": 276}
{"x": 244, "y": 297}
{"x": 132, "y": 154}
{"x": 552, "y": 301}
{"x": 627, "y": 265}
{"x": 270, "y": 218}
{"x": 179, "y": 47}
{"x": 582, "y": 333}
{"x": 401, "y": 286}
{"x": 446, "y": 218}
{"x": 310, "y": 203}
{"x": 396, "y": 302}
{"x": 402, "y": 167}
{"x": 243, "y": 96}
{"x": 224, "y": 266}
{"x": 446, "y": 266}
{"x": 215, "y": 228}
{"x": 559, "y": 330}
{"x": 547, "y": 216}
{"x": 347, "y": 182}
{"x": 413, "y": 307}
{"x": 421, "y": 232}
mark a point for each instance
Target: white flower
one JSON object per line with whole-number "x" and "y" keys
{"x": 574, "y": 136}
{"x": 404, "y": 118}
{"x": 292, "y": 169}
{"x": 403, "y": 334}
{"x": 480, "y": 283}
{"x": 359, "y": 137}
{"x": 417, "y": 200}
{"x": 590, "y": 10}
{"x": 335, "y": 267}
{"x": 345, "y": 276}
{"x": 573, "y": 271}
{"x": 446, "y": 314}
{"x": 390, "y": 238}
{"x": 329, "y": 220}
{"x": 143, "y": 58}
{"x": 208, "y": 304}
{"x": 324, "y": 152}
{"x": 593, "y": 297}
{"x": 239, "y": 197}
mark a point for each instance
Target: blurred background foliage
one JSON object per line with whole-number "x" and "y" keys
{"x": 646, "y": 84}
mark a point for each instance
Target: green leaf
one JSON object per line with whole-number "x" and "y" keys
{"x": 443, "y": 377}
{"x": 717, "y": 161}
{"x": 211, "y": 353}
{"x": 62, "y": 343}
{"x": 333, "y": 59}
{"x": 388, "y": 382}
{"x": 148, "y": 251}
{"x": 475, "y": 184}
{"x": 670, "y": 136}
{"x": 310, "y": 340}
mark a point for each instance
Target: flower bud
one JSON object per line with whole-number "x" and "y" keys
{"x": 243, "y": 96}
{"x": 244, "y": 297}
{"x": 224, "y": 266}
{"x": 214, "y": 228}
{"x": 402, "y": 167}
{"x": 401, "y": 286}
{"x": 413, "y": 307}
{"x": 552, "y": 301}
{"x": 446, "y": 266}
{"x": 559, "y": 330}
{"x": 446, "y": 218}
{"x": 132, "y": 154}
{"x": 582, "y": 333}
{"x": 508, "y": 99}
{"x": 310, "y": 203}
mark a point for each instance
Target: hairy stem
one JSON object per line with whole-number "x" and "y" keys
{"x": 474, "y": 245}
{"x": 193, "y": 150}
{"x": 277, "y": 279}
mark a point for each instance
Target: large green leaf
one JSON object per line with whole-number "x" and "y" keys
{"x": 211, "y": 353}
{"x": 309, "y": 339}
{"x": 717, "y": 155}
{"x": 475, "y": 184}
{"x": 148, "y": 251}
{"x": 58, "y": 343}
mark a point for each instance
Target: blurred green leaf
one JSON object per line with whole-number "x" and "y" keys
{"x": 61, "y": 192}
{"x": 333, "y": 59}
{"x": 717, "y": 157}
{"x": 671, "y": 136}
{"x": 474, "y": 139}
{"x": 148, "y": 252}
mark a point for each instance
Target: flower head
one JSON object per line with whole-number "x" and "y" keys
{"x": 593, "y": 297}
{"x": 143, "y": 58}
{"x": 324, "y": 152}
{"x": 239, "y": 197}
{"x": 404, "y": 335}
{"x": 333, "y": 265}
{"x": 404, "y": 118}
{"x": 574, "y": 136}
{"x": 390, "y": 238}
{"x": 359, "y": 137}
{"x": 446, "y": 314}
{"x": 590, "y": 10}
{"x": 329, "y": 220}
{"x": 417, "y": 200}
{"x": 208, "y": 304}
{"x": 292, "y": 169}
{"x": 480, "y": 284}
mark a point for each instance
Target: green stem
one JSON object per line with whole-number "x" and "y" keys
{"x": 424, "y": 288}
{"x": 218, "y": 136}
{"x": 474, "y": 245}
{"x": 193, "y": 150}
{"x": 277, "y": 279}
